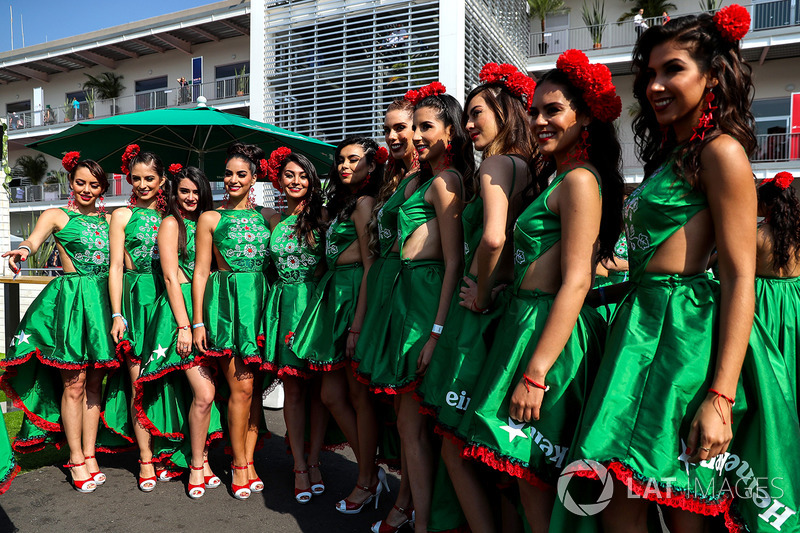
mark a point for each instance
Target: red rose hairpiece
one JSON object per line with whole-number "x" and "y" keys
{"x": 381, "y": 156}
{"x": 432, "y": 89}
{"x": 263, "y": 169}
{"x": 70, "y": 160}
{"x": 131, "y": 151}
{"x": 273, "y": 166}
{"x": 782, "y": 180}
{"x": 733, "y": 22}
{"x": 512, "y": 79}
{"x": 174, "y": 168}
{"x": 594, "y": 81}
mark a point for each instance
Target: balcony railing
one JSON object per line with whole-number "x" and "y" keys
{"x": 55, "y": 192}
{"x": 764, "y": 16}
{"x": 213, "y": 91}
{"x": 772, "y": 147}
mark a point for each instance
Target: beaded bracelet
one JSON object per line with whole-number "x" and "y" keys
{"x": 529, "y": 381}
{"x": 198, "y": 325}
{"x": 183, "y": 327}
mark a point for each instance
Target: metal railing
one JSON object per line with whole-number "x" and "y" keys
{"x": 764, "y": 15}
{"x": 214, "y": 91}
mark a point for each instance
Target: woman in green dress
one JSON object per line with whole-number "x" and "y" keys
{"x": 228, "y": 305}
{"x": 134, "y": 285}
{"x": 326, "y": 334}
{"x": 668, "y": 396}
{"x": 54, "y": 368}
{"x": 296, "y": 249}
{"x": 175, "y": 390}
{"x": 540, "y": 365}
{"x": 778, "y": 268}
{"x": 496, "y": 119}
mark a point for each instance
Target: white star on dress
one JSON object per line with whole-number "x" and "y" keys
{"x": 684, "y": 457}
{"x": 158, "y": 353}
{"x": 22, "y": 338}
{"x": 514, "y": 430}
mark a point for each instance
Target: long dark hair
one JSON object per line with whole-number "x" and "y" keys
{"x": 341, "y": 201}
{"x": 449, "y": 111}
{"x": 733, "y": 95}
{"x": 149, "y": 159}
{"x": 514, "y": 132}
{"x": 783, "y": 216}
{"x": 205, "y": 201}
{"x": 95, "y": 170}
{"x": 310, "y": 218}
{"x": 605, "y": 154}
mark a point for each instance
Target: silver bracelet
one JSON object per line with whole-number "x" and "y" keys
{"x": 22, "y": 246}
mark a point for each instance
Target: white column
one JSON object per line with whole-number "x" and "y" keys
{"x": 452, "y": 36}
{"x": 258, "y": 78}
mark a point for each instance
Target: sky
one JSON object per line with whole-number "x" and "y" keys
{"x": 48, "y": 20}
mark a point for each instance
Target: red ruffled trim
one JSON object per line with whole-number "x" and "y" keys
{"x": 449, "y": 434}
{"x": 261, "y": 340}
{"x": 124, "y": 351}
{"x": 11, "y": 393}
{"x": 643, "y": 486}
{"x": 31, "y": 445}
{"x": 120, "y": 449}
{"x": 213, "y": 437}
{"x": 383, "y": 389}
{"x": 115, "y": 432}
{"x": 504, "y": 464}
{"x": 141, "y": 416}
{"x": 198, "y": 360}
{"x": 293, "y": 372}
{"x": 6, "y": 481}
{"x": 326, "y": 367}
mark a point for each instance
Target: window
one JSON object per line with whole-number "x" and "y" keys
{"x": 19, "y": 116}
{"x": 772, "y": 126}
{"x": 151, "y": 93}
{"x": 233, "y": 80}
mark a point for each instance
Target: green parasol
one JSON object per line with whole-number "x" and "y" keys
{"x": 197, "y": 137}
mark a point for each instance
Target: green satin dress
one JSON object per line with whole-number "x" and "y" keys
{"x": 141, "y": 287}
{"x": 296, "y": 262}
{"x": 235, "y": 299}
{"x": 8, "y": 465}
{"x": 371, "y": 348}
{"x": 414, "y": 302}
{"x": 533, "y": 451}
{"x": 614, "y": 276}
{"x": 457, "y": 362}
{"x": 658, "y": 365}
{"x": 66, "y": 327}
{"x": 163, "y": 393}
{"x": 321, "y": 335}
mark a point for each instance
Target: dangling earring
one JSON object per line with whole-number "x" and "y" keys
{"x": 71, "y": 201}
{"x": 706, "y": 121}
{"x": 161, "y": 204}
{"x": 664, "y": 136}
{"x": 225, "y": 198}
{"x": 365, "y": 182}
{"x": 101, "y": 205}
{"x": 448, "y": 155}
{"x": 132, "y": 200}
{"x": 581, "y": 154}
{"x": 251, "y": 198}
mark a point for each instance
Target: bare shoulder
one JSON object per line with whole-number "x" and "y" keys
{"x": 169, "y": 223}
{"x": 55, "y": 218}
{"x": 121, "y": 215}
{"x": 208, "y": 220}
{"x": 581, "y": 178}
{"x": 268, "y": 213}
{"x": 724, "y": 159}
{"x": 365, "y": 204}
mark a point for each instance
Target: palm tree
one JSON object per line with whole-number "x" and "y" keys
{"x": 652, "y": 9}
{"x": 541, "y": 9}
{"x": 34, "y": 168}
{"x": 107, "y": 85}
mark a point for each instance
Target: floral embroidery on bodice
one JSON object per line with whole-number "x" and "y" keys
{"x": 140, "y": 239}
{"x": 242, "y": 239}
{"x": 295, "y": 260}
{"x": 85, "y": 240}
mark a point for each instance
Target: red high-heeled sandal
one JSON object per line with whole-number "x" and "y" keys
{"x": 98, "y": 477}
{"x": 317, "y": 488}
{"x": 240, "y": 492}
{"x": 347, "y": 507}
{"x": 84, "y": 485}
{"x": 382, "y": 527}
{"x": 196, "y": 491}
{"x": 256, "y": 485}
{"x": 213, "y": 481}
{"x": 147, "y": 484}
{"x": 302, "y": 496}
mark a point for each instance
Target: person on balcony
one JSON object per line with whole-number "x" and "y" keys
{"x": 639, "y": 23}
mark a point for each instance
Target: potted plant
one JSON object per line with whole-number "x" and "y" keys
{"x": 241, "y": 82}
{"x": 31, "y": 167}
{"x": 107, "y": 86}
{"x": 91, "y": 96}
{"x": 69, "y": 111}
{"x": 541, "y": 9}
{"x": 595, "y": 20}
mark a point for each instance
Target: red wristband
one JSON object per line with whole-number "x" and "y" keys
{"x": 529, "y": 381}
{"x": 730, "y": 401}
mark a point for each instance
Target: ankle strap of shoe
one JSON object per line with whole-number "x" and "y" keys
{"x": 88, "y": 456}
{"x": 315, "y": 465}
{"x": 74, "y": 465}
{"x": 300, "y": 471}
{"x": 238, "y": 467}
{"x": 196, "y": 467}
{"x": 145, "y": 462}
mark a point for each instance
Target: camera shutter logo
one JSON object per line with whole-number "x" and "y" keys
{"x": 590, "y": 469}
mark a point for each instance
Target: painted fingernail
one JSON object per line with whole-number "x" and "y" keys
{"x": 688, "y": 451}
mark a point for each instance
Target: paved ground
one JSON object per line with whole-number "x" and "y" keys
{"x": 43, "y": 501}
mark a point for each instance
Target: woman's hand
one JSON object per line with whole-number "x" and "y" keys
{"x": 469, "y": 295}
{"x": 118, "y": 328}
{"x": 526, "y": 402}
{"x": 711, "y": 430}
{"x": 184, "y": 346}
{"x": 200, "y": 339}
{"x": 20, "y": 255}
{"x": 425, "y": 355}
{"x": 352, "y": 340}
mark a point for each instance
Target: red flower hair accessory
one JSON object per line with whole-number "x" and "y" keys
{"x": 131, "y": 151}
{"x": 273, "y": 166}
{"x": 432, "y": 89}
{"x": 70, "y": 160}
{"x": 263, "y": 169}
{"x": 512, "y": 79}
{"x": 174, "y": 168}
{"x": 594, "y": 81}
{"x": 733, "y": 22}
{"x": 782, "y": 180}
{"x": 381, "y": 156}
